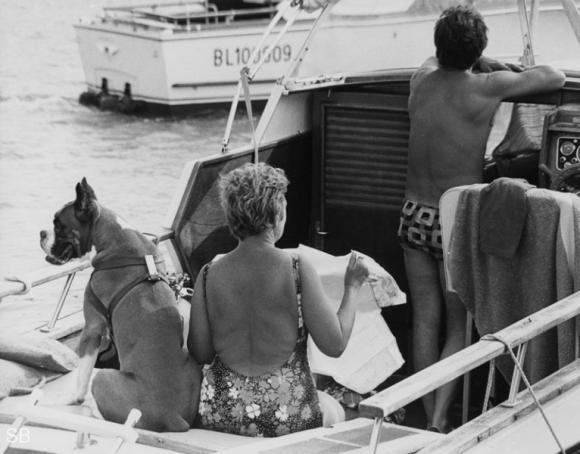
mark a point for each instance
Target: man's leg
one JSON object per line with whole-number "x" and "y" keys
{"x": 455, "y": 318}
{"x": 425, "y": 288}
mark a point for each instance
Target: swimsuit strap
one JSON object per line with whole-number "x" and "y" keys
{"x": 298, "y": 283}
{"x": 204, "y": 270}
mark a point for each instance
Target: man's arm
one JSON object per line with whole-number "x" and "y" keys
{"x": 537, "y": 79}
{"x": 489, "y": 65}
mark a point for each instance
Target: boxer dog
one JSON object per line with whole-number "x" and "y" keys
{"x": 128, "y": 300}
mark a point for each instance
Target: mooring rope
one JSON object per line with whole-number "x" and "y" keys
{"x": 490, "y": 377}
{"x": 494, "y": 337}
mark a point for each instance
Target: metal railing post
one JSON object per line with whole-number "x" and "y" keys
{"x": 375, "y": 435}
{"x": 516, "y": 376}
{"x": 54, "y": 318}
{"x": 528, "y": 58}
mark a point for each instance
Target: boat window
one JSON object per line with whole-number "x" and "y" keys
{"x": 399, "y": 34}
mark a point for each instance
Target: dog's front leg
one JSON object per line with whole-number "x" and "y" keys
{"x": 93, "y": 333}
{"x": 88, "y": 349}
{"x": 88, "y": 352}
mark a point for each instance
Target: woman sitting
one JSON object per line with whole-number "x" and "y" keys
{"x": 252, "y": 311}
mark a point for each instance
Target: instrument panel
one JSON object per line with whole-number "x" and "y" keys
{"x": 568, "y": 152}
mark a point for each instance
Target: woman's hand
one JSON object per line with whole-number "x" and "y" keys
{"x": 356, "y": 271}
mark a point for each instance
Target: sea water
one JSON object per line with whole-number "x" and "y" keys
{"x": 49, "y": 142}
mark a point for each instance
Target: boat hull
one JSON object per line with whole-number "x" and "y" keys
{"x": 165, "y": 70}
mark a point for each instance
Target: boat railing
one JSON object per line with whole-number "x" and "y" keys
{"x": 84, "y": 426}
{"x": 23, "y": 284}
{"x": 247, "y": 74}
{"x": 487, "y": 349}
{"x": 182, "y": 16}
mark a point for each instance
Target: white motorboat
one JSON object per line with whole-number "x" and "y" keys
{"x": 341, "y": 135}
{"x": 169, "y": 57}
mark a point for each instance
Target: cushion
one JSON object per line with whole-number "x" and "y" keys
{"x": 38, "y": 351}
{"x": 14, "y": 377}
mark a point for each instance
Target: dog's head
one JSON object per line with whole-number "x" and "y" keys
{"x": 71, "y": 235}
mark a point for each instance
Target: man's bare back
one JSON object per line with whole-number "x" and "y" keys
{"x": 451, "y": 116}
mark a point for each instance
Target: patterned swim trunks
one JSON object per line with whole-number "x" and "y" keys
{"x": 419, "y": 228}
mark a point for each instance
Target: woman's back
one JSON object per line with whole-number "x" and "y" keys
{"x": 259, "y": 382}
{"x": 252, "y": 307}
{"x": 248, "y": 321}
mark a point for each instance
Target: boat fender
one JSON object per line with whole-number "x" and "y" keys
{"x": 108, "y": 102}
{"x": 127, "y": 105}
{"x": 89, "y": 98}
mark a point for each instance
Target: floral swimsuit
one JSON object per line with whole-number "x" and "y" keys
{"x": 277, "y": 403}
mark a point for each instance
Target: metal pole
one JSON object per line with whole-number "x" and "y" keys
{"x": 248, "y": 99}
{"x": 231, "y": 117}
{"x": 528, "y": 58}
{"x": 268, "y": 51}
{"x": 50, "y": 325}
{"x": 467, "y": 377}
{"x": 132, "y": 419}
{"x": 573, "y": 16}
{"x": 516, "y": 376}
{"x": 375, "y": 435}
{"x": 253, "y": 57}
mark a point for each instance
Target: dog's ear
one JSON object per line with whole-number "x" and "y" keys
{"x": 86, "y": 208}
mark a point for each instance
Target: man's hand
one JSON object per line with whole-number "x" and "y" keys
{"x": 489, "y": 65}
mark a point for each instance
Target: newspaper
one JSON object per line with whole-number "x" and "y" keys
{"x": 372, "y": 353}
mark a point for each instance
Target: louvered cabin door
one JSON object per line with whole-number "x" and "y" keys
{"x": 360, "y": 160}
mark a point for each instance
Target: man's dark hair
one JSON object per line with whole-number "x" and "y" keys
{"x": 460, "y": 37}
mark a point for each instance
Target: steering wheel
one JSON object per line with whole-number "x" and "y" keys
{"x": 568, "y": 180}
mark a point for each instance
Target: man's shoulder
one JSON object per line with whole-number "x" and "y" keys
{"x": 460, "y": 81}
{"x": 421, "y": 72}
{"x": 430, "y": 65}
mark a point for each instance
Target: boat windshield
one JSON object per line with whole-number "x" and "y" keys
{"x": 370, "y": 35}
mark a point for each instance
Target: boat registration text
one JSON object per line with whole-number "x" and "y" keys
{"x": 241, "y": 55}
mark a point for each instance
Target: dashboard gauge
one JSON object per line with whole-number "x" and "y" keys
{"x": 567, "y": 148}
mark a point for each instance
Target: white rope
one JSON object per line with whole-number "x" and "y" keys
{"x": 493, "y": 337}
{"x": 26, "y": 284}
{"x": 490, "y": 377}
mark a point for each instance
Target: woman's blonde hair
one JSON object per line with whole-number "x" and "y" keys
{"x": 251, "y": 197}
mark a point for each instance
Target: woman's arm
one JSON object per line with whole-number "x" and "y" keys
{"x": 199, "y": 342}
{"x": 330, "y": 329}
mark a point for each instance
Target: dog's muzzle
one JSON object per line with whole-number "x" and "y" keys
{"x": 46, "y": 241}
{"x": 57, "y": 252}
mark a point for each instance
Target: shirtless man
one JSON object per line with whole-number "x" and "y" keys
{"x": 451, "y": 107}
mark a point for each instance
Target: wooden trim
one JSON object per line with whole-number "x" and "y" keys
{"x": 49, "y": 417}
{"x": 500, "y": 417}
{"x": 431, "y": 378}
